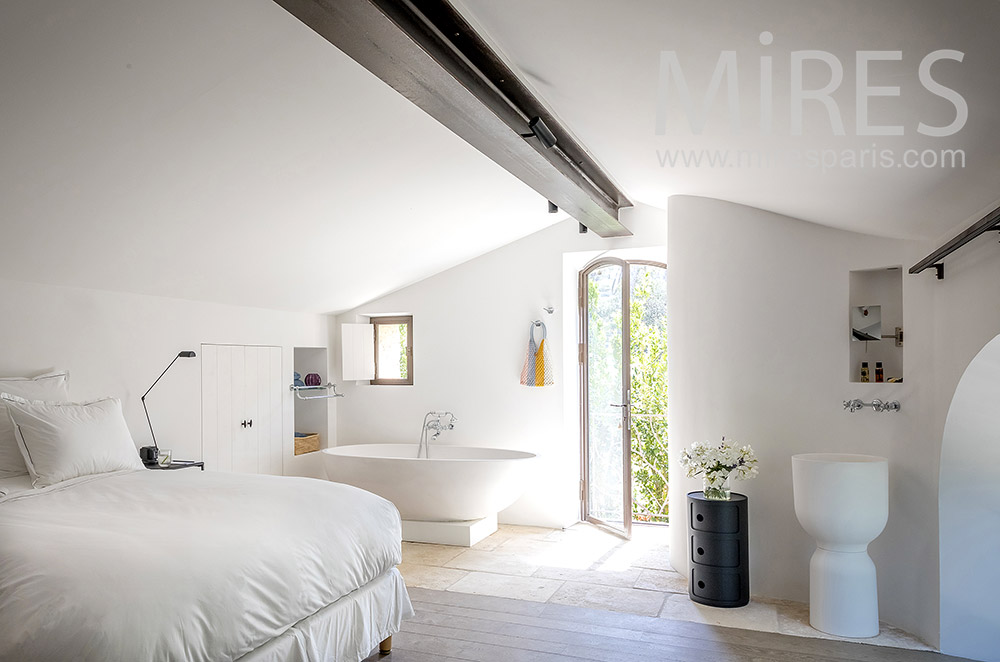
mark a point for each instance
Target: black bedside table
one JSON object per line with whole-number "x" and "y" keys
{"x": 718, "y": 549}
{"x": 177, "y": 464}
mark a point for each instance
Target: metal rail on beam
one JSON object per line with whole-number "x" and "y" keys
{"x": 989, "y": 222}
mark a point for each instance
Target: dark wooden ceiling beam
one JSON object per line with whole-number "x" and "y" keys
{"x": 427, "y": 52}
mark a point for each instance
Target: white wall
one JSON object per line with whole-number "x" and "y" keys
{"x": 470, "y": 327}
{"x": 117, "y": 344}
{"x": 730, "y": 376}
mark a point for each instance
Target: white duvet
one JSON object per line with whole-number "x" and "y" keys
{"x": 180, "y": 565}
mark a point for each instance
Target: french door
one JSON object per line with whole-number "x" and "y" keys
{"x": 616, "y": 294}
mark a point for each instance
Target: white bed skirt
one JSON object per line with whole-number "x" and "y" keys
{"x": 347, "y": 630}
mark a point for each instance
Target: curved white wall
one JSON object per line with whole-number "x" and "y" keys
{"x": 969, "y": 512}
{"x": 759, "y": 352}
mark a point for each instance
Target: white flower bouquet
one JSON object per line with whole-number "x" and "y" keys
{"x": 717, "y": 464}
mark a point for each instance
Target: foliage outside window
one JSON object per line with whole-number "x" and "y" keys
{"x": 650, "y": 476}
{"x": 393, "y": 350}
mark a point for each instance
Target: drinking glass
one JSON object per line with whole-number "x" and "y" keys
{"x": 164, "y": 457}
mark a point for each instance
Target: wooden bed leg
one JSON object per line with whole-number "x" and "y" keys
{"x": 385, "y": 646}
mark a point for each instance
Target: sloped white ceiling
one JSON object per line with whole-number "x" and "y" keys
{"x": 597, "y": 64}
{"x": 220, "y": 150}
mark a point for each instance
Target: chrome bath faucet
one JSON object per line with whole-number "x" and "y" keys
{"x": 434, "y": 422}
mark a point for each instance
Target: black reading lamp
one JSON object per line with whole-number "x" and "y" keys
{"x": 149, "y": 454}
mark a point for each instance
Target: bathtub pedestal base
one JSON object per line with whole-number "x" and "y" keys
{"x": 463, "y": 534}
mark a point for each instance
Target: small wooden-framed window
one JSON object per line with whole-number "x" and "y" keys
{"x": 393, "y": 350}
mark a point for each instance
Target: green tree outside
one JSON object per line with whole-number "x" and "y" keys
{"x": 648, "y": 318}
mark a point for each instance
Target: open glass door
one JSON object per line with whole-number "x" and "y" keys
{"x": 623, "y": 363}
{"x": 607, "y": 466}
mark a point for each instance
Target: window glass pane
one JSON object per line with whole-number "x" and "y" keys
{"x": 402, "y": 351}
{"x": 648, "y": 359}
{"x": 391, "y": 348}
{"x": 605, "y": 468}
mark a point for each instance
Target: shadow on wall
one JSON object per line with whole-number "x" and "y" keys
{"x": 969, "y": 511}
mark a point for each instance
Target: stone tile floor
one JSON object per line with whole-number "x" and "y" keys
{"x": 585, "y": 566}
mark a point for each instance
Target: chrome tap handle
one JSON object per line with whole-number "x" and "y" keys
{"x": 876, "y": 404}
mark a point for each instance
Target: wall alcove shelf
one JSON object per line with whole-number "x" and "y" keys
{"x": 311, "y": 406}
{"x": 989, "y": 222}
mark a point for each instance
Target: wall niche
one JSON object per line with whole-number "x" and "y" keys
{"x": 875, "y": 319}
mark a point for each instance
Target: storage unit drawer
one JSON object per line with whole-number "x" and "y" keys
{"x": 714, "y": 517}
{"x": 722, "y": 551}
{"x": 716, "y": 585}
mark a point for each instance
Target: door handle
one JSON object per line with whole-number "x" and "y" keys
{"x": 614, "y": 405}
{"x": 250, "y": 423}
{"x": 244, "y": 423}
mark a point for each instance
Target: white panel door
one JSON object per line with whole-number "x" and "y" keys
{"x": 265, "y": 392}
{"x": 242, "y": 408}
{"x": 245, "y": 392}
{"x": 237, "y": 421}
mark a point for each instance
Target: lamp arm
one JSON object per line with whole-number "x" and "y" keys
{"x": 143, "y": 399}
{"x": 149, "y": 423}
{"x": 159, "y": 378}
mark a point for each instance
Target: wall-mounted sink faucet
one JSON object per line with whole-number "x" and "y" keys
{"x": 435, "y": 424}
{"x": 876, "y": 404}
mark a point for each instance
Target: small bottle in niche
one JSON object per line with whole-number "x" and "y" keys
{"x": 879, "y": 375}
{"x": 864, "y": 372}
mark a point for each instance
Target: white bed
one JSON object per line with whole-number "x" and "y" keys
{"x": 192, "y": 565}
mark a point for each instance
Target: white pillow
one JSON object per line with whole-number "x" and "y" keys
{"x": 52, "y": 387}
{"x": 60, "y": 441}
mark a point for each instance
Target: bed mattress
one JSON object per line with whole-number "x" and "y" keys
{"x": 181, "y": 565}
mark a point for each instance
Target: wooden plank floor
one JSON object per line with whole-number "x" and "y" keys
{"x": 449, "y": 627}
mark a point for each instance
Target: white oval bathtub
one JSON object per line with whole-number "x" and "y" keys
{"x": 455, "y": 483}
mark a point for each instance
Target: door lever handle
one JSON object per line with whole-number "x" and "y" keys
{"x": 244, "y": 423}
{"x": 614, "y": 405}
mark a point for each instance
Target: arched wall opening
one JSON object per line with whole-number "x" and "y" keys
{"x": 969, "y": 512}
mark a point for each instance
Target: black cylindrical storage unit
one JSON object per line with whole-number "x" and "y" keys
{"x": 718, "y": 548}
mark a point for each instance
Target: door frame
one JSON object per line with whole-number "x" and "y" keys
{"x": 584, "y": 400}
